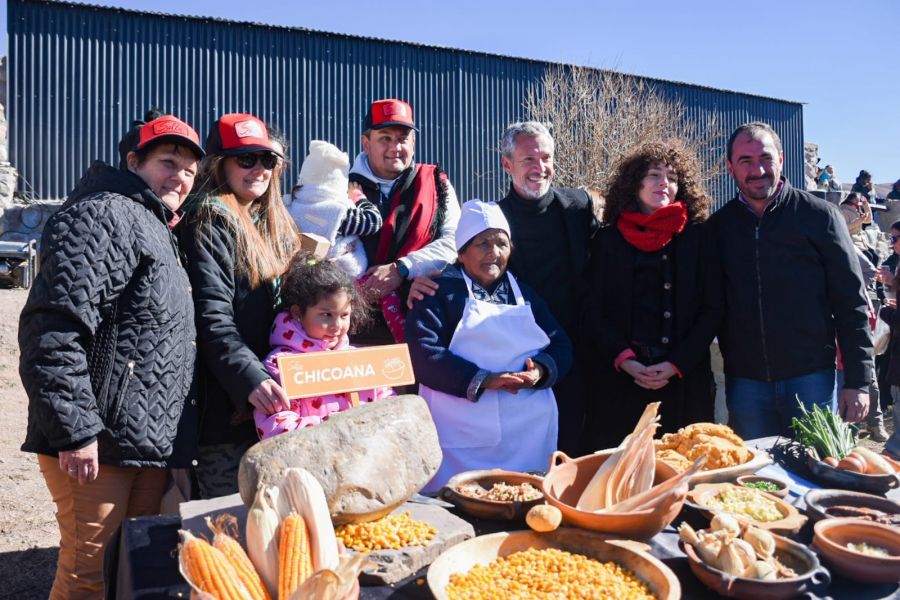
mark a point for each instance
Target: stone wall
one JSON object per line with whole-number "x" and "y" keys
{"x": 810, "y": 160}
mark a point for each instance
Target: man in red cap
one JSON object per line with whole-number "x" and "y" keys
{"x": 417, "y": 202}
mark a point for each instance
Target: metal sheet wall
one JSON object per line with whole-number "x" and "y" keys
{"x": 79, "y": 74}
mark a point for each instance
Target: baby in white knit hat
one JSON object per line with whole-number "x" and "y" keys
{"x": 322, "y": 205}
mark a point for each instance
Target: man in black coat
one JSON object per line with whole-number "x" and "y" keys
{"x": 793, "y": 293}
{"x": 551, "y": 227}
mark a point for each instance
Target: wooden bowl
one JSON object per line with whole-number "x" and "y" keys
{"x": 831, "y": 537}
{"x": 811, "y": 576}
{"x": 491, "y": 509}
{"x": 819, "y": 501}
{"x": 483, "y": 549}
{"x": 566, "y": 480}
{"x": 790, "y": 522}
{"x": 783, "y": 486}
{"x": 848, "y": 480}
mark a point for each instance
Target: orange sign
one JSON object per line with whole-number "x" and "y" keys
{"x": 320, "y": 373}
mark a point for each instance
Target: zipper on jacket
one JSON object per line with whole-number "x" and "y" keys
{"x": 762, "y": 326}
{"x": 114, "y": 410}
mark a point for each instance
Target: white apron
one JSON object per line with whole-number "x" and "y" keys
{"x": 502, "y": 430}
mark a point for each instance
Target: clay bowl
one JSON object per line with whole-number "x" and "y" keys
{"x": 781, "y": 492}
{"x": 790, "y": 522}
{"x": 490, "y": 509}
{"x": 811, "y": 575}
{"x": 832, "y": 536}
{"x": 483, "y": 549}
{"x": 819, "y": 501}
{"x": 567, "y": 478}
{"x": 848, "y": 480}
{"x": 759, "y": 460}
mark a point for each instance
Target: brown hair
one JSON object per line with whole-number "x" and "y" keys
{"x": 265, "y": 236}
{"x": 622, "y": 193}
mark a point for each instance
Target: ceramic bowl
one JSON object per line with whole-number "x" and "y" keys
{"x": 811, "y": 575}
{"x": 567, "y": 479}
{"x": 483, "y": 549}
{"x": 830, "y": 540}
{"x": 490, "y": 509}
{"x": 783, "y": 486}
{"x": 819, "y": 501}
{"x": 791, "y": 520}
{"x": 759, "y": 460}
{"x": 848, "y": 480}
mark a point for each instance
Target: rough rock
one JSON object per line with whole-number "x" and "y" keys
{"x": 369, "y": 459}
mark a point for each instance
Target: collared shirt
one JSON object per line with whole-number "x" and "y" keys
{"x": 499, "y": 293}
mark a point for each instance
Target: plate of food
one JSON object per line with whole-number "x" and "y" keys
{"x": 727, "y": 456}
{"x": 829, "y": 504}
{"x": 494, "y": 494}
{"x": 749, "y": 505}
{"x": 574, "y": 558}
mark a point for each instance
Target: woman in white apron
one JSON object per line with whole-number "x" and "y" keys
{"x": 486, "y": 352}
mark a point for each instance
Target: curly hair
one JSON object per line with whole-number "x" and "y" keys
{"x": 622, "y": 193}
{"x": 308, "y": 280}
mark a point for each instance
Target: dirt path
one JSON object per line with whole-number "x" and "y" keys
{"x": 29, "y": 537}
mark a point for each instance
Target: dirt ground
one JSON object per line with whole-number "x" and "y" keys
{"x": 29, "y": 536}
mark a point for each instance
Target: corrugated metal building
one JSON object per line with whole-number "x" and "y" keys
{"x": 78, "y": 76}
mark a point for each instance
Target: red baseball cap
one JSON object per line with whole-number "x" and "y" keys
{"x": 239, "y": 133}
{"x": 389, "y": 112}
{"x": 171, "y": 129}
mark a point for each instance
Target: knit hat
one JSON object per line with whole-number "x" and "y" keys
{"x": 239, "y": 133}
{"x": 326, "y": 166}
{"x": 477, "y": 216}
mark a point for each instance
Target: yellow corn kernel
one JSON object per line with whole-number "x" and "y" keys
{"x": 388, "y": 533}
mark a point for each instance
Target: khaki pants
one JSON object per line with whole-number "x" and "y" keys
{"x": 89, "y": 514}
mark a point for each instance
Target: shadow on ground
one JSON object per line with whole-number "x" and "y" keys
{"x": 27, "y": 574}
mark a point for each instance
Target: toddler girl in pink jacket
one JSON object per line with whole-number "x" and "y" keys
{"x": 322, "y": 303}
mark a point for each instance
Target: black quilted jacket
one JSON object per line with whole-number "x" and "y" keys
{"x": 107, "y": 334}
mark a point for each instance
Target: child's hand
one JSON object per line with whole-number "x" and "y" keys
{"x": 269, "y": 398}
{"x": 355, "y": 192}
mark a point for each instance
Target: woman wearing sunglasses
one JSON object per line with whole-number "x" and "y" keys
{"x": 238, "y": 238}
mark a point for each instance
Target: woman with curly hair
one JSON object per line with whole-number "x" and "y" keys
{"x": 653, "y": 307}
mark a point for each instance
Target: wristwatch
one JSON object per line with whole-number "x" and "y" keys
{"x": 402, "y": 269}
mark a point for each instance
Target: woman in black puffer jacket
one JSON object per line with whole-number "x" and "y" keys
{"x": 107, "y": 346}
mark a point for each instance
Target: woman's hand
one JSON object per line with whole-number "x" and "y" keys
{"x": 382, "y": 280}
{"x": 80, "y": 464}
{"x": 641, "y": 374}
{"x": 421, "y": 287}
{"x": 269, "y": 398}
{"x": 661, "y": 373}
{"x": 513, "y": 382}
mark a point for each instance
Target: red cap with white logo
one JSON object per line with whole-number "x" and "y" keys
{"x": 239, "y": 133}
{"x": 389, "y": 112}
{"x": 169, "y": 128}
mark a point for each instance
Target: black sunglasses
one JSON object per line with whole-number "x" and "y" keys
{"x": 894, "y": 238}
{"x": 248, "y": 161}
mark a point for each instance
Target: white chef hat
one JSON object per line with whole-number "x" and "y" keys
{"x": 477, "y": 216}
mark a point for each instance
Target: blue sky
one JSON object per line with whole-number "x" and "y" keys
{"x": 842, "y": 59}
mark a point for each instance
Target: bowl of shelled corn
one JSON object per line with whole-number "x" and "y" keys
{"x": 518, "y": 563}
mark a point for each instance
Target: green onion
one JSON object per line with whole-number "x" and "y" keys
{"x": 823, "y": 431}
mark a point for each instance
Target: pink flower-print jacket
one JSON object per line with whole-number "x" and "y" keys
{"x": 289, "y": 337}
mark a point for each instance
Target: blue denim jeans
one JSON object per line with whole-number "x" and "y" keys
{"x": 762, "y": 408}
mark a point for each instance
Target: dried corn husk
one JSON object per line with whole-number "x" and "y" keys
{"x": 725, "y": 522}
{"x": 262, "y": 536}
{"x": 306, "y": 496}
{"x": 335, "y": 584}
{"x": 651, "y": 498}
{"x": 761, "y": 540}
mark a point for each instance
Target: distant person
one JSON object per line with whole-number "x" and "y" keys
{"x": 864, "y": 186}
{"x": 894, "y": 194}
{"x": 827, "y": 181}
{"x": 857, "y": 214}
{"x": 106, "y": 344}
{"x": 416, "y": 200}
{"x": 654, "y": 306}
{"x": 792, "y": 285}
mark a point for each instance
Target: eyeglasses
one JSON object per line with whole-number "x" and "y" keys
{"x": 894, "y": 238}
{"x": 248, "y": 161}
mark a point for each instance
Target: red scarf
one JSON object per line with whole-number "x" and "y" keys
{"x": 652, "y": 232}
{"x": 412, "y": 230}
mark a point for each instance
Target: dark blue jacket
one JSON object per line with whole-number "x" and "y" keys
{"x": 431, "y": 323}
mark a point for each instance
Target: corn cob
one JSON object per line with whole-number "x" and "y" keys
{"x": 294, "y": 555}
{"x": 225, "y": 532}
{"x": 207, "y": 569}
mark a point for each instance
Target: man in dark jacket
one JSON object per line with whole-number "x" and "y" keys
{"x": 417, "y": 202}
{"x": 550, "y": 228}
{"x": 792, "y": 287}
